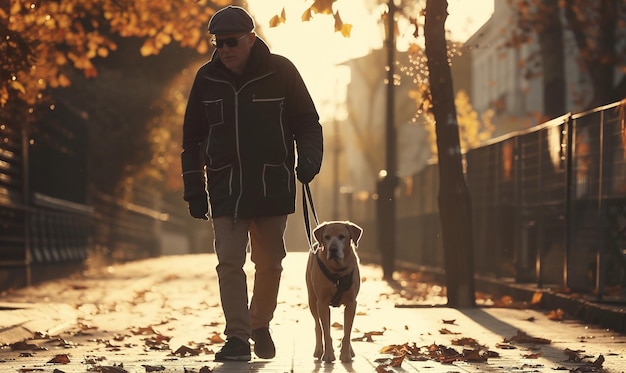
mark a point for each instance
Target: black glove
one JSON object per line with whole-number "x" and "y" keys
{"x": 198, "y": 208}
{"x": 306, "y": 170}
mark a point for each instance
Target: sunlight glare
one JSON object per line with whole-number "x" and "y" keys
{"x": 316, "y": 49}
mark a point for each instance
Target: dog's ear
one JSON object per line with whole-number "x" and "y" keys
{"x": 355, "y": 232}
{"x": 318, "y": 232}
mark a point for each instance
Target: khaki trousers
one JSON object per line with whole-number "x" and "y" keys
{"x": 267, "y": 245}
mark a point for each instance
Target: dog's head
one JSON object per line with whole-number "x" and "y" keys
{"x": 336, "y": 237}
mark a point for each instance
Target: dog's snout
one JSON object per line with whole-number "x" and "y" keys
{"x": 334, "y": 247}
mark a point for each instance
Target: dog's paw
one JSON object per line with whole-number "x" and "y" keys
{"x": 318, "y": 352}
{"x": 329, "y": 356}
{"x": 346, "y": 355}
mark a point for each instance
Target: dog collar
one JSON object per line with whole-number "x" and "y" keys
{"x": 342, "y": 283}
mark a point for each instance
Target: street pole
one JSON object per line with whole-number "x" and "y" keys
{"x": 387, "y": 180}
{"x": 336, "y": 152}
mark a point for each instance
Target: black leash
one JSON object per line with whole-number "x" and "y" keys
{"x": 307, "y": 199}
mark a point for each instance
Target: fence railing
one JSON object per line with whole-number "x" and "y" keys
{"x": 43, "y": 237}
{"x": 549, "y": 206}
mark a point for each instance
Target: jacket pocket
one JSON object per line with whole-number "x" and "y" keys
{"x": 214, "y": 111}
{"x": 276, "y": 179}
{"x": 214, "y": 148}
{"x": 220, "y": 182}
{"x": 269, "y": 124}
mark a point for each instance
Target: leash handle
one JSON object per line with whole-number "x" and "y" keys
{"x": 307, "y": 199}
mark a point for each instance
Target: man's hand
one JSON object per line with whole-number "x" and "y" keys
{"x": 306, "y": 170}
{"x": 199, "y": 208}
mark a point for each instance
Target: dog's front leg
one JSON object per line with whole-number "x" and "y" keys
{"x": 347, "y": 353}
{"x": 323, "y": 310}
{"x": 319, "y": 347}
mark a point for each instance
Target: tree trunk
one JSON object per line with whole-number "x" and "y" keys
{"x": 597, "y": 54}
{"x": 454, "y": 198}
{"x": 550, "y": 31}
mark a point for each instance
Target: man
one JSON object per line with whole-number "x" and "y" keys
{"x": 248, "y": 112}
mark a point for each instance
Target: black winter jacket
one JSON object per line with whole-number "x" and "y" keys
{"x": 240, "y": 131}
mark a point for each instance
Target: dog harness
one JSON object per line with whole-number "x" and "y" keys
{"x": 342, "y": 283}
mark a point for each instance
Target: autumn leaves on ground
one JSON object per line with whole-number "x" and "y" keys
{"x": 414, "y": 287}
{"x": 164, "y": 315}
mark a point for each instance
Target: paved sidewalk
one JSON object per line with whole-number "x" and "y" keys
{"x": 163, "y": 315}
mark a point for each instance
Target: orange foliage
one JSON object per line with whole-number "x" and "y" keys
{"x": 49, "y": 36}
{"x": 318, "y": 7}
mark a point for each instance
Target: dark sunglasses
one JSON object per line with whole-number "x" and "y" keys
{"x": 231, "y": 42}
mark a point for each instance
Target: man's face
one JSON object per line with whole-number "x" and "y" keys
{"x": 234, "y": 49}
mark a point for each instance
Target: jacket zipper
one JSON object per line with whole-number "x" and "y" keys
{"x": 236, "y": 92}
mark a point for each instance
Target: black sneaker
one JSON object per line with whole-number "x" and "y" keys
{"x": 235, "y": 349}
{"x": 263, "y": 344}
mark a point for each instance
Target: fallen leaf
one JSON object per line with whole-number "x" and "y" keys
{"x": 41, "y": 335}
{"x": 556, "y": 315}
{"x": 532, "y": 356}
{"x": 397, "y": 350}
{"x": 446, "y": 331}
{"x": 504, "y": 301}
{"x": 153, "y": 368}
{"x": 93, "y": 360}
{"x": 444, "y": 354}
{"x": 465, "y": 342}
{"x": 59, "y": 359}
{"x": 522, "y": 337}
{"x": 474, "y": 356}
{"x": 505, "y": 346}
{"x": 573, "y": 355}
{"x": 448, "y": 321}
{"x": 83, "y": 326}
{"x": 22, "y": 346}
{"x": 183, "y": 351}
{"x": 62, "y": 342}
{"x": 397, "y": 361}
{"x": 492, "y": 354}
{"x": 144, "y": 330}
{"x": 536, "y": 298}
{"x": 598, "y": 362}
{"x": 216, "y": 338}
{"x": 112, "y": 369}
{"x": 367, "y": 337}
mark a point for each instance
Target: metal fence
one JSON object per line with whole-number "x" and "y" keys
{"x": 549, "y": 206}
{"x": 49, "y": 224}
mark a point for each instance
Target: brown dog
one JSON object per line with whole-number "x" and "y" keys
{"x": 332, "y": 279}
